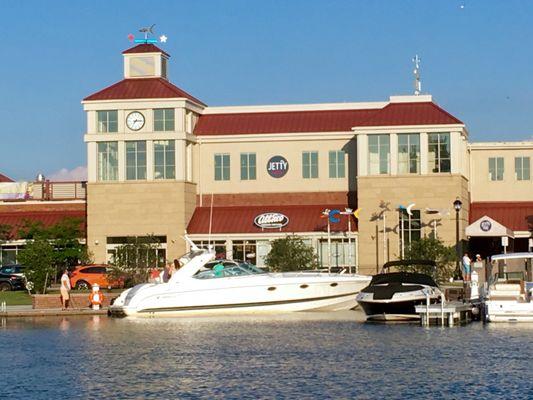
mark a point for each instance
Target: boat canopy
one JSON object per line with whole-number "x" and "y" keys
{"x": 403, "y": 277}
{"x": 512, "y": 256}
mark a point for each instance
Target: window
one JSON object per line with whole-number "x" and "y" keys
{"x": 164, "y": 159}
{"x": 310, "y": 164}
{"x": 410, "y": 227}
{"x": 378, "y": 154}
{"x": 336, "y": 164}
{"x": 164, "y": 119}
{"x": 107, "y": 121}
{"x": 439, "y": 152}
{"x": 409, "y": 153}
{"x": 496, "y": 168}
{"x": 136, "y": 160}
{"x": 247, "y": 166}
{"x": 521, "y": 168}
{"x": 107, "y": 161}
{"x": 222, "y": 164}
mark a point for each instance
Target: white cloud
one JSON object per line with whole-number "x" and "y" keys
{"x": 64, "y": 174}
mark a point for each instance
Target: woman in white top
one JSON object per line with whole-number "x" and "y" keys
{"x": 65, "y": 289}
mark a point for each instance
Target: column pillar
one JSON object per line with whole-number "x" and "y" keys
{"x": 362, "y": 154}
{"x": 393, "y": 154}
{"x": 121, "y": 161}
{"x": 149, "y": 160}
{"x": 423, "y": 153}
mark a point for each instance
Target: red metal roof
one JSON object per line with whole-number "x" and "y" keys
{"x": 426, "y": 113}
{"x": 511, "y": 214}
{"x": 145, "y": 48}
{"x": 4, "y": 178}
{"x": 47, "y": 218}
{"x": 281, "y": 122}
{"x": 305, "y": 218}
{"x": 393, "y": 114}
{"x": 141, "y": 88}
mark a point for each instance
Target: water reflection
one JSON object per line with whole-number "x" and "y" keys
{"x": 298, "y": 355}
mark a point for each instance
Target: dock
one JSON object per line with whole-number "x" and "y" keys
{"x": 447, "y": 314}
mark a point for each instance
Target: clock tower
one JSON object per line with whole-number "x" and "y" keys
{"x": 140, "y": 157}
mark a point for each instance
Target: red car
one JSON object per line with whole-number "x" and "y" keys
{"x": 85, "y": 276}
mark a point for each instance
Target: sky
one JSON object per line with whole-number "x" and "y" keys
{"x": 476, "y": 62}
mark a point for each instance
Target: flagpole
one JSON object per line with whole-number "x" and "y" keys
{"x": 329, "y": 247}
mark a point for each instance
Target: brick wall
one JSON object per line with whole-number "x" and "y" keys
{"x": 259, "y": 199}
{"x": 78, "y": 300}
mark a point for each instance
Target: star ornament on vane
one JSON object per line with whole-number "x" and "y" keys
{"x": 163, "y": 38}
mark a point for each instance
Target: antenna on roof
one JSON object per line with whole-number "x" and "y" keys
{"x": 416, "y": 73}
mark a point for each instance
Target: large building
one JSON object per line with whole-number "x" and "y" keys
{"x": 161, "y": 162}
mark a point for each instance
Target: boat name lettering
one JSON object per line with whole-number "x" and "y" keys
{"x": 271, "y": 220}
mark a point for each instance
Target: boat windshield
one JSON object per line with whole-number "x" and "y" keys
{"x": 184, "y": 259}
{"x": 228, "y": 268}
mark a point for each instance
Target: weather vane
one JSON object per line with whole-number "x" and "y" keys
{"x": 149, "y": 30}
{"x": 416, "y": 72}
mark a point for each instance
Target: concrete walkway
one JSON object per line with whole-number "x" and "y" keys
{"x": 28, "y": 311}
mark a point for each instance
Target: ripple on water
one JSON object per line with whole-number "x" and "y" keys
{"x": 301, "y": 355}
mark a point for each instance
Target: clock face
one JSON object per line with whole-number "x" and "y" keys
{"x": 135, "y": 120}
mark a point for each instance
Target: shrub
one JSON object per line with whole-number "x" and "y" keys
{"x": 291, "y": 254}
{"x": 431, "y": 249}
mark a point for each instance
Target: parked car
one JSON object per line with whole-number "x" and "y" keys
{"x": 11, "y": 282}
{"x": 13, "y": 269}
{"x": 85, "y": 276}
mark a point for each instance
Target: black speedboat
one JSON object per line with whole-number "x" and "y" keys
{"x": 392, "y": 296}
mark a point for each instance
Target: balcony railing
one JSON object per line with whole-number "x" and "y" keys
{"x": 42, "y": 191}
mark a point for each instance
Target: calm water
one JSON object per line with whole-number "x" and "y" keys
{"x": 294, "y": 356}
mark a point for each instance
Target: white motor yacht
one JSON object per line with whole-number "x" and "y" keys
{"x": 509, "y": 297}
{"x": 202, "y": 285}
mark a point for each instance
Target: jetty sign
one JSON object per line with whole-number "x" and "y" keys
{"x": 277, "y": 166}
{"x": 271, "y": 220}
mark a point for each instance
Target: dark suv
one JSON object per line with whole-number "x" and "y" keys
{"x": 11, "y": 282}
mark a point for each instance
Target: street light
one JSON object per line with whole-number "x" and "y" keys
{"x": 457, "y": 204}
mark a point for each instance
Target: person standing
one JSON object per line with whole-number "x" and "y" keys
{"x": 65, "y": 289}
{"x": 466, "y": 268}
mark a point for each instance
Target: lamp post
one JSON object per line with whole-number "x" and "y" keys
{"x": 457, "y": 204}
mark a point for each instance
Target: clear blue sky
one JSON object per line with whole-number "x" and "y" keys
{"x": 476, "y": 61}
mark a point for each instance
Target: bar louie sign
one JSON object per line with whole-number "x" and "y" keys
{"x": 271, "y": 220}
{"x": 277, "y": 166}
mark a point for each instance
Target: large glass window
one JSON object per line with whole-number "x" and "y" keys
{"x": 410, "y": 227}
{"x": 136, "y": 160}
{"x": 378, "y": 154}
{"x": 164, "y": 119}
{"x": 248, "y": 166}
{"x": 107, "y": 161}
{"x": 310, "y": 164}
{"x": 439, "y": 152}
{"x": 164, "y": 159}
{"x": 409, "y": 153}
{"x": 107, "y": 121}
{"x": 496, "y": 168}
{"x": 341, "y": 253}
{"x": 522, "y": 168}
{"x": 336, "y": 164}
{"x": 222, "y": 167}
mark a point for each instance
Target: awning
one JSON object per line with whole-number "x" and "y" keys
{"x": 515, "y": 215}
{"x": 488, "y": 227}
{"x": 242, "y": 219}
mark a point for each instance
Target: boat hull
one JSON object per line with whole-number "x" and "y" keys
{"x": 391, "y": 310}
{"x": 270, "y": 294}
{"x": 508, "y": 311}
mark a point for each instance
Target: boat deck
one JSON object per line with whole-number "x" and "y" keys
{"x": 448, "y": 314}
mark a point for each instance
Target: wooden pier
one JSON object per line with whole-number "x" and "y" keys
{"x": 448, "y": 314}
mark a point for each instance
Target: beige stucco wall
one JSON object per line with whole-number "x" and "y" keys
{"x": 508, "y": 189}
{"x": 138, "y": 208}
{"x": 436, "y": 191}
{"x": 264, "y": 183}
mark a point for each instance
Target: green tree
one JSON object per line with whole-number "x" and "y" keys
{"x": 5, "y": 232}
{"x": 429, "y": 248}
{"x": 60, "y": 246}
{"x": 291, "y": 254}
{"x": 38, "y": 257}
{"x": 134, "y": 260}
